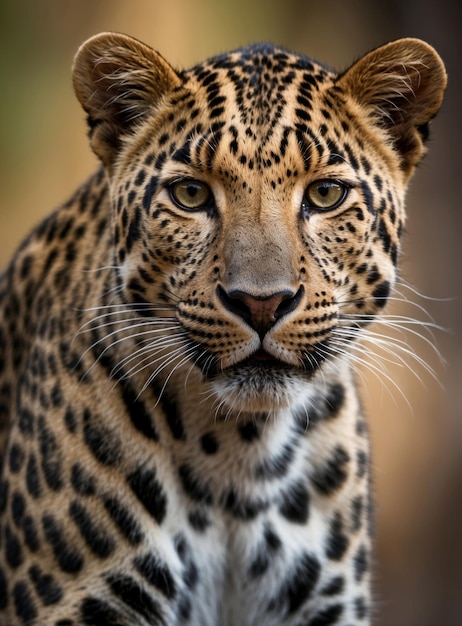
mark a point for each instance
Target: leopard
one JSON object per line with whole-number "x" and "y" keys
{"x": 183, "y": 439}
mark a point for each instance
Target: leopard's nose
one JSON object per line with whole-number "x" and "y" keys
{"x": 260, "y": 312}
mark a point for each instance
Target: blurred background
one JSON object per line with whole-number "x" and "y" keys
{"x": 417, "y": 431}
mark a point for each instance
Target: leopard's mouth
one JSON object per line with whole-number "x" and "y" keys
{"x": 265, "y": 361}
{"x": 262, "y": 358}
{"x": 262, "y": 363}
{"x": 262, "y": 366}
{"x": 259, "y": 361}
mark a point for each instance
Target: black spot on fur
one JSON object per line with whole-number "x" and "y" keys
{"x": 245, "y": 510}
{"x": 32, "y": 478}
{"x": 362, "y": 463}
{"x": 102, "y": 443}
{"x": 334, "y": 587}
{"x": 327, "y": 617}
{"x": 337, "y": 541}
{"x": 183, "y": 154}
{"x": 326, "y": 409}
{"x": 172, "y": 415}
{"x": 18, "y": 507}
{"x": 381, "y": 293}
{"x": 299, "y": 585}
{"x": 157, "y": 574}
{"x": 265, "y": 553}
{"x": 193, "y": 486}
{"x": 3, "y": 590}
{"x": 181, "y": 546}
{"x": 16, "y": 458}
{"x": 368, "y": 197}
{"x": 335, "y": 400}
{"x": 184, "y": 608}
{"x": 96, "y": 537}
{"x": 138, "y": 413}
{"x": 361, "y": 563}
{"x": 130, "y": 592}
{"x": 13, "y": 548}
{"x": 4, "y": 488}
{"x": 276, "y": 466}
{"x": 94, "y": 611}
{"x": 26, "y": 421}
{"x": 83, "y": 483}
{"x": 51, "y": 456}
{"x": 124, "y": 520}
{"x": 68, "y": 559}
{"x": 134, "y": 231}
{"x": 295, "y": 503}
{"x": 331, "y": 476}
{"x": 46, "y": 586}
{"x": 209, "y": 443}
{"x": 357, "y": 509}
{"x": 24, "y": 603}
{"x": 249, "y": 431}
{"x": 70, "y": 420}
{"x": 361, "y": 608}
{"x": 149, "y": 492}
{"x": 199, "y": 520}
{"x": 30, "y": 534}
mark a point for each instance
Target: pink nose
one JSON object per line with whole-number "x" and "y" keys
{"x": 260, "y": 312}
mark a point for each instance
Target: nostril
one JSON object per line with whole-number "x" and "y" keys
{"x": 235, "y": 304}
{"x": 288, "y": 304}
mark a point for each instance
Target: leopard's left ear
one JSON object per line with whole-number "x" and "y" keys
{"x": 401, "y": 86}
{"x": 118, "y": 81}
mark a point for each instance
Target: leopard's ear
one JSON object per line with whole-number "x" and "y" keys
{"x": 401, "y": 86}
{"x": 118, "y": 81}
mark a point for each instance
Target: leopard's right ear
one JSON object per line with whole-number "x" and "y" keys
{"x": 118, "y": 81}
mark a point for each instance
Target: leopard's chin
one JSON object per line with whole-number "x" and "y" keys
{"x": 260, "y": 385}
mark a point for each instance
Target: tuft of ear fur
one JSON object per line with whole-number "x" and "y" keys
{"x": 118, "y": 81}
{"x": 401, "y": 87}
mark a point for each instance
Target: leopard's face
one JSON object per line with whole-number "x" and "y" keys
{"x": 261, "y": 204}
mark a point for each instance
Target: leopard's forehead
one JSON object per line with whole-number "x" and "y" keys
{"x": 255, "y": 108}
{"x": 260, "y": 79}
{"x": 262, "y": 66}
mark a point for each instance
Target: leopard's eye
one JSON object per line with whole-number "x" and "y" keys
{"x": 191, "y": 195}
{"x": 323, "y": 195}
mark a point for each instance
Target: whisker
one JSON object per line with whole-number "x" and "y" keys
{"x": 112, "y": 344}
{"x": 154, "y": 374}
{"x": 147, "y": 350}
{"x": 144, "y": 322}
{"x": 375, "y": 369}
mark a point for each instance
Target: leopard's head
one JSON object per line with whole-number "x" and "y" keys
{"x": 258, "y": 201}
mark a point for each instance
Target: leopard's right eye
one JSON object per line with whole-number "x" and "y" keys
{"x": 191, "y": 195}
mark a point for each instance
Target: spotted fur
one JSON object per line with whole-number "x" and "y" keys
{"x": 183, "y": 441}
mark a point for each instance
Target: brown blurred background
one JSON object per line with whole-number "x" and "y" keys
{"x": 417, "y": 451}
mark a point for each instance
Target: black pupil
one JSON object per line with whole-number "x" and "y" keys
{"x": 324, "y": 190}
{"x": 192, "y": 190}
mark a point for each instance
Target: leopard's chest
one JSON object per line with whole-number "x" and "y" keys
{"x": 260, "y": 512}
{"x": 245, "y": 568}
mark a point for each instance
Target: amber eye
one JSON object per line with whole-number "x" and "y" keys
{"x": 191, "y": 195}
{"x": 323, "y": 195}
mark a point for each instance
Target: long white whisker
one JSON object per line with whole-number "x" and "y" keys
{"x": 367, "y": 364}
{"x": 112, "y": 344}
{"x": 147, "y": 351}
{"x": 144, "y": 322}
{"x": 186, "y": 357}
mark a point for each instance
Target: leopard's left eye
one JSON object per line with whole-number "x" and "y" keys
{"x": 323, "y": 195}
{"x": 191, "y": 195}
